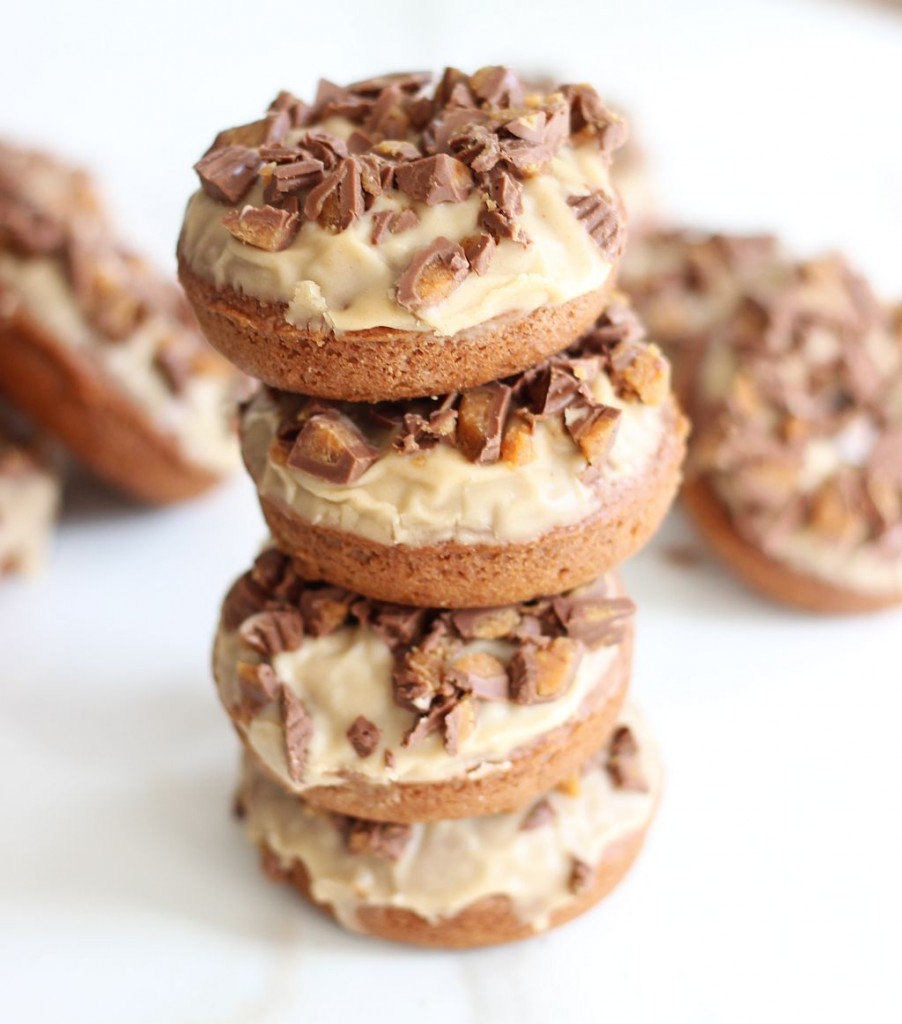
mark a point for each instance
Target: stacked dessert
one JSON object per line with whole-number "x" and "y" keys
{"x": 461, "y": 436}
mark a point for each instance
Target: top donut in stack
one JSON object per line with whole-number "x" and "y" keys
{"x": 398, "y": 239}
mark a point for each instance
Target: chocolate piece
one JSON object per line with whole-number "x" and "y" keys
{"x": 435, "y": 179}
{"x": 541, "y": 813}
{"x": 497, "y": 86}
{"x": 419, "y": 434}
{"x": 377, "y": 838}
{"x": 258, "y": 686}
{"x": 364, "y": 736}
{"x": 174, "y": 364}
{"x": 641, "y": 372}
{"x": 481, "y": 674}
{"x": 539, "y": 674}
{"x": 297, "y": 728}
{"x": 479, "y": 250}
{"x": 602, "y": 219}
{"x": 226, "y": 175}
{"x": 325, "y": 609}
{"x": 264, "y": 227}
{"x": 381, "y": 222}
{"x": 245, "y": 598}
{"x": 624, "y": 764}
{"x": 503, "y": 204}
{"x": 398, "y": 625}
{"x": 593, "y": 428}
{"x": 272, "y": 572}
{"x": 271, "y": 632}
{"x": 268, "y": 131}
{"x": 419, "y": 673}
{"x": 338, "y": 200}
{"x": 459, "y": 724}
{"x": 296, "y": 176}
{"x": 595, "y": 621}
{"x": 517, "y": 448}
{"x": 589, "y": 116}
{"x": 298, "y": 111}
{"x": 432, "y": 274}
{"x": 386, "y": 222}
{"x": 331, "y": 447}
{"x": 480, "y": 421}
{"x": 477, "y": 146}
{"x": 327, "y": 148}
{"x": 486, "y": 623}
{"x": 526, "y": 159}
{"x": 581, "y": 875}
{"x": 404, "y": 221}
{"x": 552, "y": 388}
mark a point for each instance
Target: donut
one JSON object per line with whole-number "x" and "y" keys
{"x": 471, "y": 881}
{"x": 98, "y": 349}
{"x": 400, "y": 238}
{"x": 397, "y": 713}
{"x": 501, "y": 493}
{"x": 795, "y": 469}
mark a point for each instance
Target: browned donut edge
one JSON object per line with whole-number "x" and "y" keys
{"x": 92, "y": 416}
{"x": 763, "y": 573}
{"x": 455, "y": 575}
{"x": 487, "y": 922}
{"x": 532, "y": 769}
{"x": 382, "y": 363}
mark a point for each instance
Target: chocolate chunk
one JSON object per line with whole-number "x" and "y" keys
{"x": 458, "y": 725}
{"x": 364, "y": 736}
{"x": 593, "y": 428}
{"x": 432, "y": 274}
{"x": 338, "y": 200}
{"x": 497, "y": 86}
{"x": 419, "y": 673}
{"x": 551, "y": 389}
{"x": 258, "y": 686}
{"x": 526, "y": 159}
{"x": 298, "y": 111}
{"x": 404, "y": 221}
{"x": 479, "y": 250}
{"x": 325, "y": 609}
{"x": 486, "y": 623}
{"x": 539, "y": 674}
{"x": 481, "y": 417}
{"x": 296, "y": 176}
{"x": 264, "y": 227}
{"x": 396, "y": 151}
{"x": 269, "y": 131}
{"x": 398, "y": 625}
{"x": 517, "y": 448}
{"x": 589, "y": 116}
{"x": 297, "y": 727}
{"x": 377, "y": 838}
{"x": 385, "y": 222}
{"x": 595, "y": 621}
{"x": 624, "y": 764}
{"x": 435, "y": 179}
{"x": 331, "y": 447}
{"x": 602, "y": 219}
{"x": 388, "y": 118}
{"x": 226, "y": 175}
{"x": 640, "y": 372}
{"x": 405, "y": 81}
{"x": 271, "y": 572}
{"x": 477, "y": 146}
{"x": 271, "y": 632}
{"x": 581, "y": 875}
{"x": 503, "y": 204}
{"x": 245, "y": 598}
{"x": 419, "y": 433}
{"x": 381, "y": 222}
{"x": 329, "y": 149}
{"x": 481, "y": 674}
{"x": 541, "y": 813}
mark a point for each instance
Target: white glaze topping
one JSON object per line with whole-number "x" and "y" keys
{"x": 449, "y": 865}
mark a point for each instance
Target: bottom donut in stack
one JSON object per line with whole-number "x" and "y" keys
{"x": 444, "y": 777}
{"x": 469, "y": 881}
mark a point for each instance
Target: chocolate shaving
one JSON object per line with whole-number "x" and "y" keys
{"x": 269, "y": 131}
{"x": 331, "y": 447}
{"x": 227, "y": 175}
{"x": 364, "y": 736}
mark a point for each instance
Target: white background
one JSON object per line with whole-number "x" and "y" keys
{"x": 770, "y": 887}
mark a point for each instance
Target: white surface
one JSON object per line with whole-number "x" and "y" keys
{"x": 770, "y": 886}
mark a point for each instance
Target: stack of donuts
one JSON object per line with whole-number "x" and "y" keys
{"x": 461, "y": 434}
